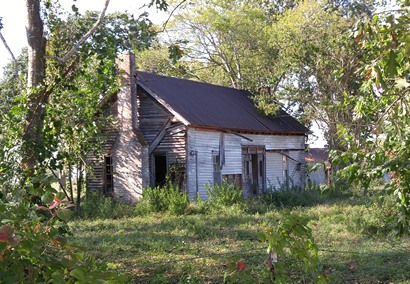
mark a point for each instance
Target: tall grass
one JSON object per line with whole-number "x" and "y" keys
{"x": 97, "y": 206}
{"x": 224, "y": 194}
{"x": 166, "y": 198}
{"x": 355, "y": 243}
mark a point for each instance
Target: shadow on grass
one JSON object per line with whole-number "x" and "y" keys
{"x": 159, "y": 248}
{"x": 356, "y": 267}
{"x": 150, "y": 248}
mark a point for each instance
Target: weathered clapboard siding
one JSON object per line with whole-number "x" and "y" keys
{"x": 151, "y": 116}
{"x": 274, "y": 170}
{"x": 95, "y": 174}
{"x": 233, "y": 154}
{"x": 95, "y": 160}
{"x": 203, "y": 142}
{"x": 276, "y": 142}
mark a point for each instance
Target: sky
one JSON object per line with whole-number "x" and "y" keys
{"x": 14, "y": 19}
{"x": 14, "y": 30}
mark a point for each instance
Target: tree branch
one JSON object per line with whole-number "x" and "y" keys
{"x": 86, "y": 36}
{"x": 170, "y": 15}
{"x": 399, "y": 97}
{"x": 16, "y": 70}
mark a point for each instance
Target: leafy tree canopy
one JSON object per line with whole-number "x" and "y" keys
{"x": 384, "y": 96}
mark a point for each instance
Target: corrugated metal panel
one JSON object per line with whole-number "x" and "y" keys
{"x": 207, "y": 105}
{"x": 203, "y": 142}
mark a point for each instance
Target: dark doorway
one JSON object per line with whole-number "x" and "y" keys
{"x": 253, "y": 161}
{"x": 255, "y": 171}
{"x": 160, "y": 169}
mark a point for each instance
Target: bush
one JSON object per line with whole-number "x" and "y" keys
{"x": 225, "y": 194}
{"x": 96, "y": 205}
{"x": 34, "y": 246}
{"x": 155, "y": 198}
{"x": 176, "y": 199}
{"x": 290, "y": 196}
{"x": 167, "y": 198}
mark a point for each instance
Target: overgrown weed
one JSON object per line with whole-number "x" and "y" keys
{"x": 351, "y": 233}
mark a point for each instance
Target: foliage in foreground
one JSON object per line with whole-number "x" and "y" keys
{"x": 34, "y": 246}
{"x": 290, "y": 240}
{"x": 384, "y": 146}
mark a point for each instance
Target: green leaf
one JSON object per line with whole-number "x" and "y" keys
{"x": 64, "y": 214}
{"x": 79, "y": 274}
{"x": 58, "y": 278}
{"x": 392, "y": 65}
{"x": 69, "y": 260}
{"x": 47, "y": 198}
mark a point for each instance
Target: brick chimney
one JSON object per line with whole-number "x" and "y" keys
{"x": 127, "y": 106}
{"x": 130, "y": 152}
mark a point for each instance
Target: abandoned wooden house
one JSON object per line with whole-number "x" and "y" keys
{"x": 196, "y": 133}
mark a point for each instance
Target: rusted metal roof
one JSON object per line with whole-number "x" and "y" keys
{"x": 317, "y": 155}
{"x": 212, "y": 106}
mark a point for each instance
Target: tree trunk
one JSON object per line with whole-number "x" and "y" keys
{"x": 35, "y": 79}
{"x": 79, "y": 184}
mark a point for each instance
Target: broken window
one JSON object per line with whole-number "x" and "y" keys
{"x": 108, "y": 176}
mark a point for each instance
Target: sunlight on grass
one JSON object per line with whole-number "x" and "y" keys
{"x": 354, "y": 243}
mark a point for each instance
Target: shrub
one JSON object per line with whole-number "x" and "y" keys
{"x": 176, "y": 199}
{"x": 156, "y": 198}
{"x": 224, "y": 194}
{"x": 291, "y": 250}
{"x": 34, "y": 247}
{"x": 291, "y": 196}
{"x": 165, "y": 198}
{"x": 97, "y": 205}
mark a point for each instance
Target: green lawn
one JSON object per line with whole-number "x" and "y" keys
{"x": 354, "y": 242}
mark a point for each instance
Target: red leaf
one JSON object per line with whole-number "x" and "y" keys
{"x": 6, "y": 234}
{"x": 393, "y": 37}
{"x": 54, "y": 203}
{"x": 241, "y": 265}
{"x": 4, "y": 237}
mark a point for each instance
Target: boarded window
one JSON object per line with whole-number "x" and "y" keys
{"x": 108, "y": 176}
{"x": 235, "y": 179}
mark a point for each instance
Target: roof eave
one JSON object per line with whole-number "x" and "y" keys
{"x": 248, "y": 131}
{"x": 163, "y": 103}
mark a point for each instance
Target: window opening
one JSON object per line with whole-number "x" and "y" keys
{"x": 108, "y": 175}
